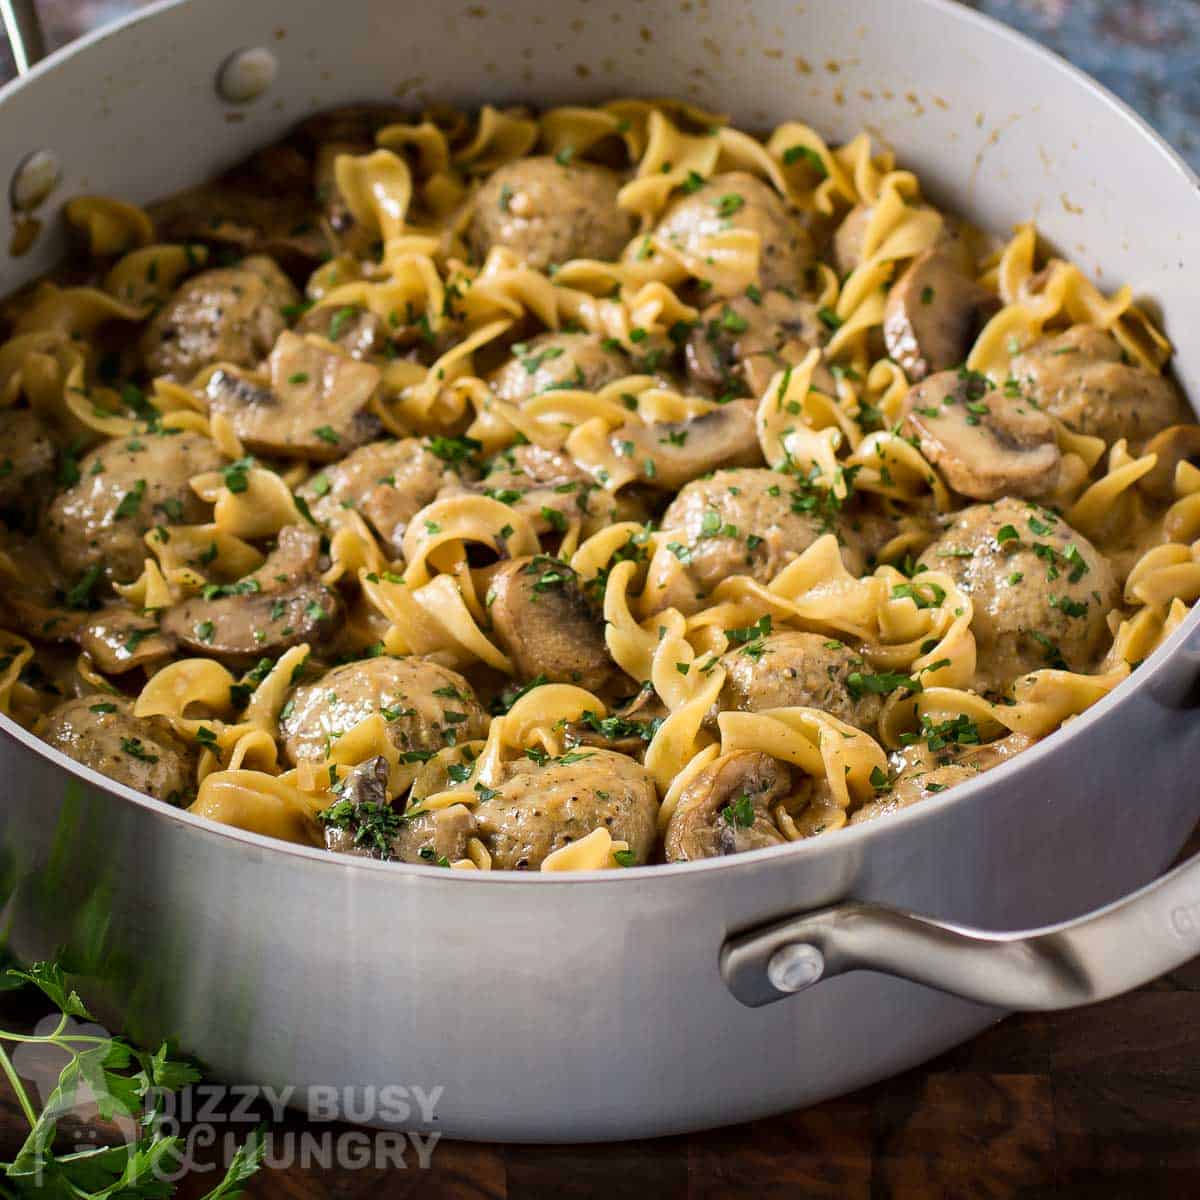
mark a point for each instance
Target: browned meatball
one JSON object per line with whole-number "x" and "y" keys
{"x": 127, "y": 486}
{"x": 805, "y": 669}
{"x": 556, "y": 361}
{"x": 426, "y": 706}
{"x": 738, "y": 200}
{"x": 1041, "y": 591}
{"x": 740, "y": 522}
{"x": 388, "y": 482}
{"x": 921, "y": 773}
{"x": 101, "y": 732}
{"x": 537, "y": 808}
{"x": 26, "y": 462}
{"x": 547, "y": 487}
{"x": 1080, "y": 377}
{"x": 232, "y": 314}
{"x": 547, "y": 212}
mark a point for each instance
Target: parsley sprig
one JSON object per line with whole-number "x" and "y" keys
{"x": 122, "y": 1080}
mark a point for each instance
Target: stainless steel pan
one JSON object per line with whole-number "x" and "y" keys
{"x": 640, "y": 1002}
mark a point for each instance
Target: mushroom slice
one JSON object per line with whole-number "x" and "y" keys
{"x": 366, "y": 828}
{"x": 673, "y": 453}
{"x": 726, "y": 808}
{"x": 120, "y": 639}
{"x": 280, "y": 605}
{"x": 358, "y": 331}
{"x": 315, "y": 407}
{"x": 986, "y": 443}
{"x": 933, "y": 314}
{"x": 1176, "y": 444}
{"x": 546, "y": 625}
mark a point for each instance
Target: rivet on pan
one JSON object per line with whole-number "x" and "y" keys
{"x": 246, "y": 74}
{"x": 34, "y": 179}
{"x": 796, "y": 966}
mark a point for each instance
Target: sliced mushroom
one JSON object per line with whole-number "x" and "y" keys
{"x": 546, "y": 625}
{"x": 726, "y": 809}
{"x": 315, "y": 407}
{"x": 280, "y": 605}
{"x": 118, "y": 639}
{"x": 1172, "y": 446}
{"x": 741, "y": 343}
{"x": 672, "y": 453}
{"x": 232, "y": 314}
{"x": 628, "y": 729}
{"x": 101, "y": 732}
{"x": 366, "y": 788}
{"x": 933, "y": 314}
{"x": 985, "y": 442}
{"x": 357, "y": 331}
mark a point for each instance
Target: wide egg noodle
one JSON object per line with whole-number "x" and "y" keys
{"x": 833, "y": 418}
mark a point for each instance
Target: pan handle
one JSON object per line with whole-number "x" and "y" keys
{"x": 1103, "y": 954}
{"x": 25, "y": 35}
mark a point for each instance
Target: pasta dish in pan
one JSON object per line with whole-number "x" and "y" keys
{"x": 575, "y": 490}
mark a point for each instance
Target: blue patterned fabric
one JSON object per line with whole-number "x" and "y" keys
{"x": 1147, "y": 51}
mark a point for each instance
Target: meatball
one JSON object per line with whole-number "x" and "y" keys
{"x": 740, "y": 343}
{"x": 740, "y": 522}
{"x": 146, "y": 755}
{"x": 1041, "y": 592}
{"x": 546, "y": 625}
{"x": 556, "y": 361}
{"x": 537, "y": 808}
{"x": 545, "y": 485}
{"x": 738, "y": 200}
{"x": 26, "y": 462}
{"x": 126, "y": 487}
{"x": 1080, "y": 377}
{"x": 921, "y": 773}
{"x": 547, "y": 212}
{"x": 232, "y": 315}
{"x": 805, "y": 669}
{"x": 388, "y": 482}
{"x": 426, "y": 706}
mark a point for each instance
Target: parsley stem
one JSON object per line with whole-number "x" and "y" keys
{"x": 19, "y": 1088}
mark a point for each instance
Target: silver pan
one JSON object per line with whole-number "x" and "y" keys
{"x": 655, "y": 1000}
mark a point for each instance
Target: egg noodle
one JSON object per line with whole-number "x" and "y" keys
{"x": 927, "y": 640}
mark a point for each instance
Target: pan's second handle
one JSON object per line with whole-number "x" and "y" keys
{"x": 1103, "y": 954}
